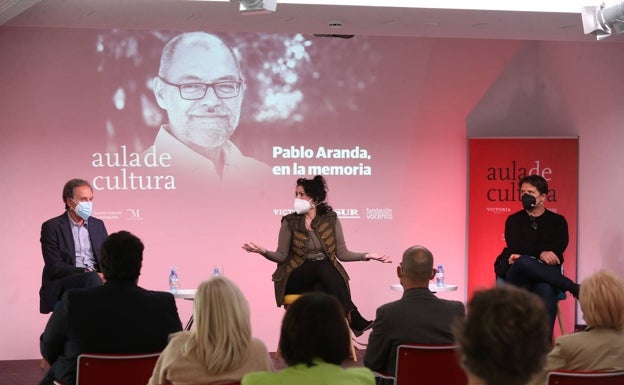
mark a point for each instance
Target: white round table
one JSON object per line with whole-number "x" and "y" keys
{"x": 186, "y": 294}
{"x": 433, "y": 287}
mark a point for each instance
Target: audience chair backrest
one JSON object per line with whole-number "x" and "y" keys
{"x": 118, "y": 369}
{"x": 568, "y": 377}
{"x": 428, "y": 364}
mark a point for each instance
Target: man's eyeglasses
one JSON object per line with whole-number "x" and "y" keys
{"x": 195, "y": 91}
{"x": 534, "y": 225}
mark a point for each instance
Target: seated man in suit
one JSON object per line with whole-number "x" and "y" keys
{"x": 116, "y": 317}
{"x": 71, "y": 244}
{"x": 418, "y": 317}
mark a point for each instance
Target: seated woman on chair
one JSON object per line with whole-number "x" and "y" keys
{"x": 310, "y": 245}
{"x": 314, "y": 340}
{"x": 220, "y": 348}
{"x": 600, "y": 347}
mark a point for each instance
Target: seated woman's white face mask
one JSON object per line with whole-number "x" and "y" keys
{"x": 302, "y": 206}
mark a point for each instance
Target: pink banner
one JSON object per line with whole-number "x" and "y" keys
{"x": 495, "y": 166}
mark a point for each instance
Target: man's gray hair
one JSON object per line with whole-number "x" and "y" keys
{"x": 417, "y": 263}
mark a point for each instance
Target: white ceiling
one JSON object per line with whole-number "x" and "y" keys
{"x": 303, "y": 18}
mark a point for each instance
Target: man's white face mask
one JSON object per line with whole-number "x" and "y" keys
{"x": 83, "y": 209}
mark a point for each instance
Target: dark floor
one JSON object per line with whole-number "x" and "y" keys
{"x": 21, "y": 372}
{"x": 30, "y": 372}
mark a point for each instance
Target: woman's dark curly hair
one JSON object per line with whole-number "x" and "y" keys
{"x": 316, "y": 188}
{"x": 504, "y": 338}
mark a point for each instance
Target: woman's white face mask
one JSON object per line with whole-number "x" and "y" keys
{"x": 302, "y": 206}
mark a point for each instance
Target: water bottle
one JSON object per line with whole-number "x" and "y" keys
{"x": 440, "y": 276}
{"x": 174, "y": 280}
{"x": 216, "y": 272}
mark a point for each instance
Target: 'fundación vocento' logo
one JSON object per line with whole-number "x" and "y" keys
{"x": 379, "y": 214}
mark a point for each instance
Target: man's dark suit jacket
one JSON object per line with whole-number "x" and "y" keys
{"x": 117, "y": 317}
{"x": 419, "y": 317}
{"x": 59, "y": 256}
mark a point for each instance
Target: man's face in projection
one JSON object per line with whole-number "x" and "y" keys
{"x": 210, "y": 120}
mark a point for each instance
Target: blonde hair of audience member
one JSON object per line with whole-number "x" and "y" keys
{"x": 504, "y": 338}
{"x": 602, "y": 300}
{"x": 599, "y": 348}
{"x": 222, "y": 327}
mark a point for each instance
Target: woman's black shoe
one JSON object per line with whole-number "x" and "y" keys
{"x": 575, "y": 289}
{"x": 359, "y": 324}
{"x": 358, "y": 332}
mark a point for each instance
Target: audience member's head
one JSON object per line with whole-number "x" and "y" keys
{"x": 122, "y": 257}
{"x": 602, "y": 300}
{"x": 314, "y": 327}
{"x": 504, "y": 338}
{"x": 222, "y": 330}
{"x": 416, "y": 268}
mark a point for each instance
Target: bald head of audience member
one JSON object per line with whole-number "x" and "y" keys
{"x": 416, "y": 268}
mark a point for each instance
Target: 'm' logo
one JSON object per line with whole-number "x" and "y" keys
{"x": 134, "y": 213}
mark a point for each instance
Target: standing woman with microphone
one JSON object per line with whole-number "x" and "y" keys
{"x": 310, "y": 247}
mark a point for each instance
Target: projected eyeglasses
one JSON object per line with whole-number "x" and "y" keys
{"x": 196, "y": 91}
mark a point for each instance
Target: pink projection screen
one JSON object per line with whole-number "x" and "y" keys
{"x": 301, "y": 114}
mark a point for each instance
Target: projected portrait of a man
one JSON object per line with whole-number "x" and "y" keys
{"x": 201, "y": 87}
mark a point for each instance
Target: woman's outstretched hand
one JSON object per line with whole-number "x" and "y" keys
{"x": 251, "y": 247}
{"x": 378, "y": 257}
